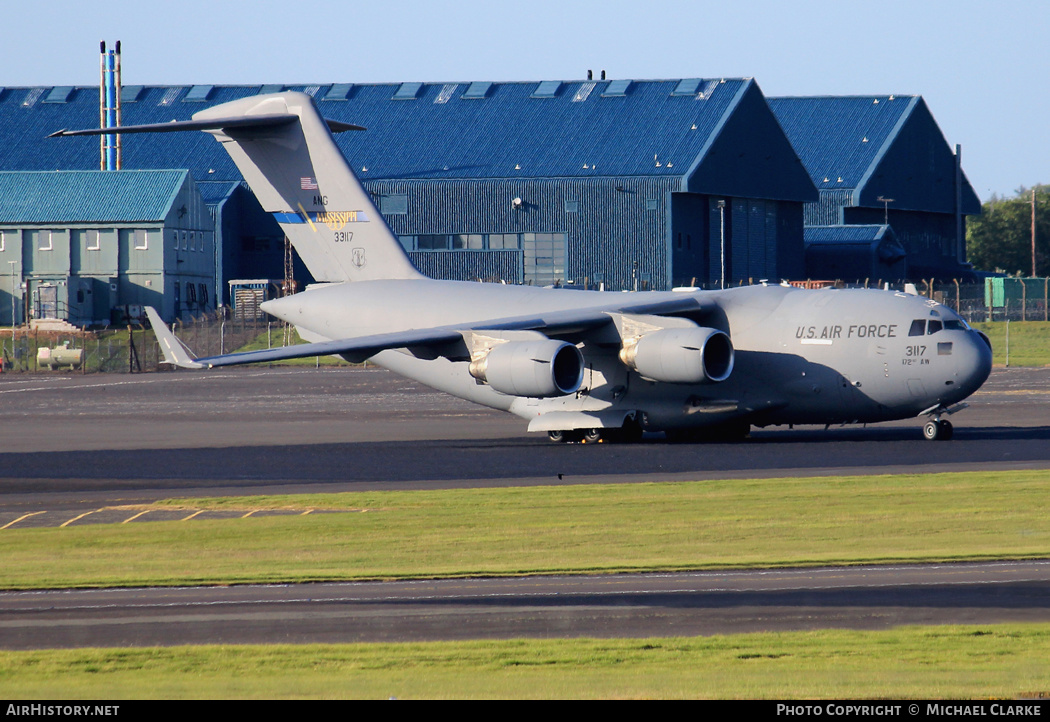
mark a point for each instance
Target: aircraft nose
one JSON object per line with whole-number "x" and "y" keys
{"x": 974, "y": 361}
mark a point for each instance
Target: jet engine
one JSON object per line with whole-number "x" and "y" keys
{"x": 680, "y": 355}
{"x": 537, "y": 369}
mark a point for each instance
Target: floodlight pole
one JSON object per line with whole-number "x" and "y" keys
{"x": 722, "y": 213}
{"x": 885, "y": 208}
{"x": 12, "y": 264}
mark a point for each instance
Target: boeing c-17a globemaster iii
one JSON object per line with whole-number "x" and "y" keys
{"x": 579, "y": 365}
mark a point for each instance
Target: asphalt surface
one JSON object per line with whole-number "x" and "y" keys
{"x": 639, "y": 605}
{"x": 77, "y": 442}
{"x": 87, "y": 449}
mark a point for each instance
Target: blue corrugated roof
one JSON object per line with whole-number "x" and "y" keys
{"x": 216, "y": 191}
{"x": 877, "y": 146}
{"x": 86, "y": 196}
{"x": 507, "y": 133}
{"x": 839, "y": 138}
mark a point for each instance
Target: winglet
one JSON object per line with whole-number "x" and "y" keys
{"x": 174, "y": 352}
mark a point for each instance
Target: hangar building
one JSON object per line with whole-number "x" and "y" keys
{"x": 882, "y": 160}
{"x": 77, "y": 244}
{"x": 615, "y": 183}
{"x": 619, "y": 181}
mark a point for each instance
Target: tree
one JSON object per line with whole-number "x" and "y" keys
{"x": 1000, "y": 239}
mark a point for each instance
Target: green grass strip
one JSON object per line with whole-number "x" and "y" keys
{"x": 1029, "y": 342}
{"x": 952, "y": 662}
{"x": 562, "y": 529}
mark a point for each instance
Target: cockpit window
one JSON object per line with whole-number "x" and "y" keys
{"x": 918, "y": 328}
{"x": 933, "y": 327}
{"x": 955, "y": 325}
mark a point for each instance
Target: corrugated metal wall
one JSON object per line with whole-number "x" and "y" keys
{"x": 617, "y": 222}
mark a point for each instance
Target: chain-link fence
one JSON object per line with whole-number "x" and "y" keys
{"x": 131, "y": 349}
{"x": 134, "y": 349}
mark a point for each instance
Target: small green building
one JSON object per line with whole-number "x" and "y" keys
{"x": 88, "y": 246}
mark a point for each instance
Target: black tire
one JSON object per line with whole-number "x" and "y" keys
{"x": 947, "y": 431}
{"x": 931, "y": 430}
{"x": 592, "y": 436}
{"x": 558, "y": 437}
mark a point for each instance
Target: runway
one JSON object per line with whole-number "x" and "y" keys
{"x": 77, "y": 449}
{"x": 637, "y": 605}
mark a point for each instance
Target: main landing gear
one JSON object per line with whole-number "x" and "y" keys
{"x": 630, "y": 431}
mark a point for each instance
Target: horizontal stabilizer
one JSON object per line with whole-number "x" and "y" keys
{"x": 275, "y": 120}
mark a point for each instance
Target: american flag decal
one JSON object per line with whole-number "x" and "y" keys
{"x": 307, "y": 184}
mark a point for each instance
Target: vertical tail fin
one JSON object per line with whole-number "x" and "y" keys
{"x": 285, "y": 150}
{"x": 300, "y": 176}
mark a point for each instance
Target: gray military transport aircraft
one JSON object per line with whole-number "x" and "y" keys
{"x": 582, "y": 366}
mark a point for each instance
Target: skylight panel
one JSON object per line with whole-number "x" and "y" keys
{"x": 198, "y": 94}
{"x": 59, "y": 94}
{"x": 616, "y": 89}
{"x": 407, "y": 91}
{"x": 130, "y": 93}
{"x": 170, "y": 95}
{"x": 689, "y": 86}
{"x": 339, "y": 91}
{"x": 709, "y": 87}
{"x": 32, "y": 96}
{"x": 446, "y": 93}
{"x": 477, "y": 89}
{"x": 271, "y": 88}
{"x": 583, "y": 93}
{"x": 547, "y": 89}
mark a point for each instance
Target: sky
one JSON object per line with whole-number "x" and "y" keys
{"x": 982, "y": 67}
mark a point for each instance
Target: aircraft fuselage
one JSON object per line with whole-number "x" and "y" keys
{"x": 816, "y": 357}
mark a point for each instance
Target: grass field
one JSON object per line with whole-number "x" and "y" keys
{"x": 1004, "y": 661}
{"x": 1029, "y": 342}
{"x": 570, "y": 529}
{"x": 565, "y": 529}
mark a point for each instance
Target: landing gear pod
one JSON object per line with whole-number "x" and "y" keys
{"x": 537, "y": 369}
{"x": 680, "y": 355}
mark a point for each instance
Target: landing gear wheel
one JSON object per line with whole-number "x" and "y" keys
{"x": 937, "y": 430}
{"x": 592, "y": 436}
{"x": 558, "y": 437}
{"x": 947, "y": 431}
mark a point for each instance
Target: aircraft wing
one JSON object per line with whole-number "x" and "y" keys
{"x": 552, "y": 324}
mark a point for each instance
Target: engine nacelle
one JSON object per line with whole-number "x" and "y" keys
{"x": 680, "y": 355}
{"x": 537, "y": 369}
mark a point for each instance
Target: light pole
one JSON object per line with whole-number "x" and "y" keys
{"x": 722, "y": 213}
{"x": 885, "y": 208}
{"x": 12, "y": 264}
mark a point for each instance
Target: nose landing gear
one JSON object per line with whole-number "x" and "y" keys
{"x": 937, "y": 430}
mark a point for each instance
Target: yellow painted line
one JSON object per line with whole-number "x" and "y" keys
{"x": 199, "y": 511}
{"x": 306, "y": 512}
{"x": 307, "y": 217}
{"x": 24, "y": 516}
{"x": 136, "y": 516}
{"x": 76, "y": 518}
{"x": 249, "y": 514}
